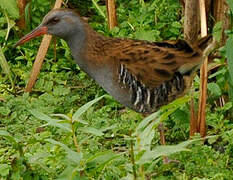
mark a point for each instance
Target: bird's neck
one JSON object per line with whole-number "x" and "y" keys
{"x": 86, "y": 46}
{"x": 76, "y": 43}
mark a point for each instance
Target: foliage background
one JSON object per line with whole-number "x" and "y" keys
{"x": 36, "y": 145}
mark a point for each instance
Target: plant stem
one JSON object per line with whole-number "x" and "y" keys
{"x": 142, "y": 172}
{"x": 132, "y": 159}
{"x": 75, "y": 138}
{"x": 99, "y": 10}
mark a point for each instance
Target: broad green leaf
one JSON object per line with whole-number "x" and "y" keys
{"x": 230, "y": 3}
{"x": 4, "y": 133}
{"x": 177, "y": 103}
{"x": 91, "y": 130}
{"x": 227, "y": 106}
{"x": 217, "y": 31}
{"x": 168, "y": 113}
{"x": 70, "y": 173}
{"x": 108, "y": 128}
{"x": 4, "y": 169}
{"x": 219, "y": 72}
{"x": 52, "y": 122}
{"x": 146, "y": 121}
{"x": 3, "y": 33}
{"x": 128, "y": 177}
{"x": 35, "y": 159}
{"x": 5, "y": 111}
{"x": 143, "y": 140}
{"x": 108, "y": 160}
{"x": 10, "y": 6}
{"x": 84, "y": 108}
{"x": 61, "y": 116}
{"x": 103, "y": 159}
{"x": 229, "y": 54}
{"x": 146, "y": 35}
{"x": 214, "y": 89}
{"x": 82, "y": 121}
{"x": 8, "y": 136}
{"x": 73, "y": 156}
{"x": 159, "y": 116}
{"x": 159, "y": 151}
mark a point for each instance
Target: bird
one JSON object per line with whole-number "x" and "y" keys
{"x": 141, "y": 75}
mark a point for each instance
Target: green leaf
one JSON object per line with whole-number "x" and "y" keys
{"x": 146, "y": 35}
{"x": 4, "y": 169}
{"x": 5, "y": 111}
{"x": 5, "y": 66}
{"x": 219, "y": 72}
{"x": 103, "y": 159}
{"x": 217, "y": 31}
{"x": 177, "y": 103}
{"x": 61, "y": 116}
{"x": 52, "y": 122}
{"x": 10, "y": 6}
{"x": 145, "y": 122}
{"x": 227, "y": 106}
{"x": 99, "y": 10}
{"x": 230, "y": 3}
{"x": 8, "y": 136}
{"x": 214, "y": 89}
{"x": 159, "y": 151}
{"x": 70, "y": 173}
{"x": 35, "y": 159}
{"x": 60, "y": 91}
{"x": 84, "y": 108}
{"x": 73, "y": 156}
{"x": 91, "y": 130}
{"x": 3, "y": 33}
{"x": 145, "y": 138}
{"x": 229, "y": 54}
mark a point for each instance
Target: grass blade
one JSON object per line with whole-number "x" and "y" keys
{"x": 5, "y": 67}
{"x": 84, "y": 108}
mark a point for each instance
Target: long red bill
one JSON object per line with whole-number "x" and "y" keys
{"x": 40, "y": 30}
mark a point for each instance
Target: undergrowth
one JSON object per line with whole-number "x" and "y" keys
{"x": 68, "y": 128}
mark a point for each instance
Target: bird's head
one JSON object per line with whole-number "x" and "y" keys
{"x": 62, "y": 23}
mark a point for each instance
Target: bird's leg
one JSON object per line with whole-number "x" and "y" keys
{"x": 161, "y": 133}
{"x": 166, "y": 160}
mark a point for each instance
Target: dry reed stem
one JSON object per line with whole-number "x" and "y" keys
{"x": 111, "y": 9}
{"x": 40, "y": 56}
{"x": 203, "y": 75}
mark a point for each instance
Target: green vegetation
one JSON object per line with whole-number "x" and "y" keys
{"x": 68, "y": 128}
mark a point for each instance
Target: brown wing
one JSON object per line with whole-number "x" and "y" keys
{"x": 154, "y": 63}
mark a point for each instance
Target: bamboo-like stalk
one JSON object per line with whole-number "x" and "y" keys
{"x": 220, "y": 14}
{"x": 191, "y": 31}
{"x": 112, "y": 17}
{"x": 191, "y": 21}
{"x": 203, "y": 75}
{"x": 21, "y": 22}
{"x": 193, "y": 117}
{"x": 40, "y": 56}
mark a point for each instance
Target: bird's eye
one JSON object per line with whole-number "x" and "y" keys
{"x": 54, "y": 21}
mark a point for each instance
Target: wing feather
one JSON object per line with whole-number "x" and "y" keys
{"x": 155, "y": 63}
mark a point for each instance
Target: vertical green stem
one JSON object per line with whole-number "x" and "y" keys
{"x": 99, "y": 10}
{"x": 75, "y": 138}
{"x": 132, "y": 159}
